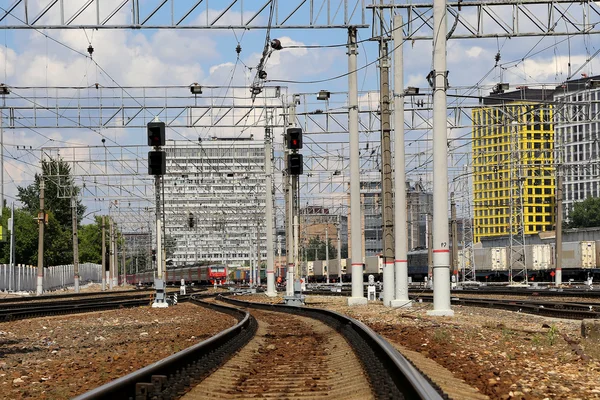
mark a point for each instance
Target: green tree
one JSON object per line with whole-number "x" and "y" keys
{"x": 586, "y": 214}
{"x": 316, "y": 244}
{"x": 26, "y": 238}
{"x": 59, "y": 185}
{"x": 90, "y": 242}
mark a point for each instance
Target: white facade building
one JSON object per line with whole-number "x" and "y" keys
{"x": 577, "y": 130}
{"x": 220, "y": 186}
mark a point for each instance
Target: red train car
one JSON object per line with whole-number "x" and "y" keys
{"x": 206, "y": 274}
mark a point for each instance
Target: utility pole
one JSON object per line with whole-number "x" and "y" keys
{"x": 454, "y": 240}
{"x": 257, "y": 252}
{"x": 339, "y": 248}
{"x": 400, "y": 225}
{"x": 104, "y": 260}
{"x": 123, "y": 267}
{"x": 558, "y": 229}
{"x": 358, "y": 295}
{"x": 75, "y": 244}
{"x": 327, "y": 250}
{"x": 386, "y": 168}
{"x": 429, "y": 222}
{"x": 271, "y": 292}
{"x": 41, "y": 222}
{"x": 111, "y": 239}
{"x": 289, "y": 203}
{"x": 11, "y": 227}
{"x": 441, "y": 252}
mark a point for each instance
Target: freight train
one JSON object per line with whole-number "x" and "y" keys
{"x": 200, "y": 275}
{"x": 580, "y": 261}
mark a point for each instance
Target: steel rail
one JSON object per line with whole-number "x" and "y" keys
{"x": 169, "y": 377}
{"x": 390, "y": 374}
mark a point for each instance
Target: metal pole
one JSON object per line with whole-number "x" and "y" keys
{"x": 289, "y": 235}
{"x": 41, "y": 222}
{"x": 358, "y": 296}
{"x": 386, "y": 171}
{"x": 295, "y": 209}
{"x": 400, "y": 225}
{"x": 257, "y": 253}
{"x": 123, "y": 269}
{"x": 104, "y": 269}
{"x": 441, "y": 251}
{"x": 12, "y": 243}
{"x": 115, "y": 264}
{"x": 454, "y": 241}
{"x": 159, "y": 252}
{"x": 327, "y": 251}
{"x": 339, "y": 249}
{"x": 75, "y": 244}
{"x": 271, "y": 292}
{"x": 111, "y": 233}
{"x": 559, "y": 218}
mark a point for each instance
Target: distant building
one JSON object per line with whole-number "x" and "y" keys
{"x": 577, "y": 139}
{"x": 513, "y": 151}
{"x": 419, "y": 204}
{"x": 220, "y": 186}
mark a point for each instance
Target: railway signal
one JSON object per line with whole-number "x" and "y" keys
{"x": 295, "y": 164}
{"x": 294, "y": 138}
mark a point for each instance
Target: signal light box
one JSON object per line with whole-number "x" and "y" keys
{"x": 156, "y": 134}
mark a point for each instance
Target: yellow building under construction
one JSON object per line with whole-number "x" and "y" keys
{"x": 513, "y": 164}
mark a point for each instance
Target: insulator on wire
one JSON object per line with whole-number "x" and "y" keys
{"x": 90, "y": 50}
{"x": 276, "y": 44}
{"x": 238, "y": 49}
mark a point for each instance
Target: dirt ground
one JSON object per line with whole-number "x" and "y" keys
{"x": 60, "y": 357}
{"x": 505, "y": 355}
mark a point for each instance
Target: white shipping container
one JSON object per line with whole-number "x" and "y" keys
{"x": 579, "y": 254}
{"x": 539, "y": 257}
{"x": 498, "y": 259}
{"x": 374, "y": 265}
{"x": 310, "y": 268}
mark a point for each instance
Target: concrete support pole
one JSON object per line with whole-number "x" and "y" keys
{"x": 258, "y": 253}
{"x": 440, "y": 246}
{"x": 271, "y": 292}
{"x": 400, "y": 225}
{"x": 123, "y": 268}
{"x": 115, "y": 264}
{"x": 454, "y": 232}
{"x": 559, "y": 218}
{"x": 327, "y": 251}
{"x": 386, "y": 172}
{"x": 41, "y": 222}
{"x": 75, "y": 244}
{"x": 358, "y": 295}
{"x": 104, "y": 260}
{"x": 339, "y": 248}
{"x": 289, "y": 235}
{"x": 11, "y": 257}
{"x": 159, "y": 249}
{"x": 111, "y": 234}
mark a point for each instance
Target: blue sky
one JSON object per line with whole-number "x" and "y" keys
{"x": 181, "y": 57}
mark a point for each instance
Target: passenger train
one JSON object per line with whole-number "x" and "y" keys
{"x": 200, "y": 275}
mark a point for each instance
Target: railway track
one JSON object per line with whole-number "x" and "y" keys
{"x": 293, "y": 352}
{"x": 13, "y": 311}
{"x": 569, "y": 310}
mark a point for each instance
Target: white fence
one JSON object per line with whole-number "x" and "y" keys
{"x": 23, "y": 278}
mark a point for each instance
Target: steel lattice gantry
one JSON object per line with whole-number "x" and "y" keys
{"x": 494, "y": 19}
{"x": 183, "y": 14}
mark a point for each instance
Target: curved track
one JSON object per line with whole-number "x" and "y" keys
{"x": 290, "y": 356}
{"x": 298, "y": 352}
